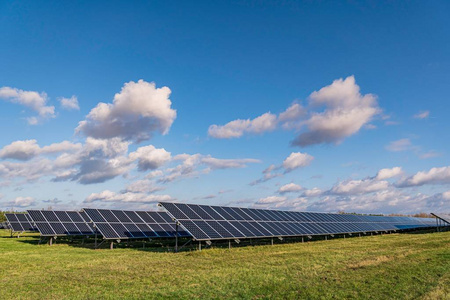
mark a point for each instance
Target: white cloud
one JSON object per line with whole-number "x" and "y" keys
{"x": 20, "y": 150}
{"x": 69, "y": 103}
{"x": 432, "y": 176}
{"x": 314, "y": 192}
{"x": 355, "y": 187}
{"x": 291, "y": 118}
{"x": 422, "y": 115}
{"x": 236, "y": 128}
{"x": 297, "y": 160}
{"x": 143, "y": 186}
{"x": 150, "y": 158}
{"x": 136, "y": 112}
{"x": 346, "y": 111}
{"x": 389, "y": 173}
{"x": 196, "y": 164}
{"x": 33, "y": 100}
{"x": 127, "y": 197}
{"x": 429, "y": 154}
{"x": 22, "y": 202}
{"x": 267, "y": 175}
{"x": 289, "y": 188}
{"x": 216, "y": 163}
{"x": 294, "y": 161}
{"x": 271, "y": 199}
{"x": 400, "y": 145}
{"x": 27, "y": 149}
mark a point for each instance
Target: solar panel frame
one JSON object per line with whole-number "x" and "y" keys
{"x": 125, "y": 224}
{"x": 19, "y": 222}
{"x": 260, "y": 223}
{"x": 443, "y": 217}
{"x": 60, "y": 223}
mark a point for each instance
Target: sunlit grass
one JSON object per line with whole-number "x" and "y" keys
{"x": 395, "y": 266}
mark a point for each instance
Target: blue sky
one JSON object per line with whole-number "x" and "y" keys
{"x": 321, "y": 106}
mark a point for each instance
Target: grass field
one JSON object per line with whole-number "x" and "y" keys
{"x": 395, "y": 266}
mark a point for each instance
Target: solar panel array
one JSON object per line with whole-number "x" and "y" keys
{"x": 20, "y": 222}
{"x": 205, "y": 222}
{"x": 121, "y": 224}
{"x": 61, "y": 223}
{"x": 443, "y": 217}
{"x": 4, "y": 225}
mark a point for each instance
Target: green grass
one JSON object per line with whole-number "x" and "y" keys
{"x": 395, "y": 266}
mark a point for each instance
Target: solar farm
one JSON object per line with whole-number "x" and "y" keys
{"x": 198, "y": 251}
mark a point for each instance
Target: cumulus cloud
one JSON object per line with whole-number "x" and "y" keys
{"x": 346, "y": 111}
{"x": 355, "y": 187}
{"x": 196, "y": 164}
{"x": 69, "y": 103}
{"x": 143, "y": 186}
{"x": 33, "y": 100}
{"x": 389, "y": 173}
{"x": 294, "y": 161}
{"x": 291, "y": 118}
{"x": 27, "y": 149}
{"x": 314, "y": 192}
{"x": 236, "y": 128}
{"x": 150, "y": 158}
{"x": 127, "y": 197}
{"x": 271, "y": 199}
{"x": 267, "y": 175}
{"x": 136, "y": 113}
{"x": 297, "y": 160}
{"x": 422, "y": 115}
{"x": 432, "y": 176}
{"x": 22, "y": 202}
{"x": 289, "y": 188}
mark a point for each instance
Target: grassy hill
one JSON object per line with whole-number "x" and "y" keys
{"x": 395, "y": 266}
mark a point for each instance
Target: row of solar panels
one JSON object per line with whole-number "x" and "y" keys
{"x": 205, "y": 222}
{"x": 111, "y": 224}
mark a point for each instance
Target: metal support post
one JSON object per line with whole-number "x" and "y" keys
{"x": 96, "y": 238}
{"x": 111, "y": 246}
{"x": 271, "y": 241}
{"x": 229, "y": 244}
{"x": 176, "y": 237}
{"x": 303, "y": 239}
{"x": 326, "y": 238}
{"x": 199, "y": 246}
{"x": 50, "y": 241}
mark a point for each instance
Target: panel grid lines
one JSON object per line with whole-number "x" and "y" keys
{"x": 60, "y": 223}
{"x": 121, "y": 224}
{"x": 206, "y": 222}
{"x": 20, "y": 222}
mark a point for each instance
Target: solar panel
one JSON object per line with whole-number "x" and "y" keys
{"x": 121, "y": 224}
{"x": 20, "y": 222}
{"x": 443, "y": 217}
{"x": 206, "y": 222}
{"x": 4, "y": 225}
{"x": 60, "y": 223}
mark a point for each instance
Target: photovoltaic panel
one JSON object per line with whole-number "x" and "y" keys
{"x": 206, "y": 222}
{"x": 20, "y": 222}
{"x": 121, "y": 224}
{"x": 60, "y": 223}
{"x": 443, "y": 217}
